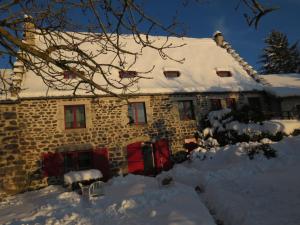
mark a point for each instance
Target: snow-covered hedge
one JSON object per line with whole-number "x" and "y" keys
{"x": 226, "y": 128}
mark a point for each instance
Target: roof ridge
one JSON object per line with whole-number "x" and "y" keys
{"x": 242, "y": 62}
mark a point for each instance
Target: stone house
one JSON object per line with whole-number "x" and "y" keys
{"x": 45, "y": 132}
{"x": 283, "y": 93}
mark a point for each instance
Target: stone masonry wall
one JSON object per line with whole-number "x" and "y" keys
{"x": 12, "y": 165}
{"x": 31, "y": 127}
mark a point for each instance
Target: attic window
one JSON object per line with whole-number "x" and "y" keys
{"x": 171, "y": 74}
{"x": 224, "y": 73}
{"x": 69, "y": 75}
{"x": 127, "y": 74}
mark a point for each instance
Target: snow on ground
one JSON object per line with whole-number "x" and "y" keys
{"x": 246, "y": 192}
{"x": 238, "y": 190}
{"x": 132, "y": 200}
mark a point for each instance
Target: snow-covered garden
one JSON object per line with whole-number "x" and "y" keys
{"x": 219, "y": 186}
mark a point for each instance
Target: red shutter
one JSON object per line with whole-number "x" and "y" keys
{"x": 162, "y": 155}
{"x": 135, "y": 158}
{"x": 101, "y": 162}
{"x": 53, "y": 164}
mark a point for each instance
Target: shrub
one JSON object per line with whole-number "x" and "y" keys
{"x": 179, "y": 157}
{"x": 246, "y": 114}
{"x": 266, "y": 149}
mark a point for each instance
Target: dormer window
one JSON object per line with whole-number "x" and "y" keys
{"x": 127, "y": 74}
{"x": 171, "y": 73}
{"x": 69, "y": 75}
{"x": 224, "y": 73}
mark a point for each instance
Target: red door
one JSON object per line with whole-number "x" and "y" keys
{"x": 162, "y": 155}
{"x": 135, "y": 158}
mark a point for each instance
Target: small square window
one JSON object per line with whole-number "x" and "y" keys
{"x": 69, "y": 75}
{"x": 127, "y": 74}
{"x": 171, "y": 74}
{"x": 215, "y": 104}
{"x": 137, "y": 113}
{"x": 186, "y": 110}
{"x": 224, "y": 73}
{"x": 231, "y": 103}
{"x": 74, "y": 116}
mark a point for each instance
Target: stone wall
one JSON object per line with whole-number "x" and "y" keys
{"x": 32, "y": 127}
{"x": 12, "y": 165}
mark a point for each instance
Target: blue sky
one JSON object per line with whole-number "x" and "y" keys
{"x": 203, "y": 19}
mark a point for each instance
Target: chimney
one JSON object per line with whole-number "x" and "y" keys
{"x": 219, "y": 39}
{"x": 29, "y": 27}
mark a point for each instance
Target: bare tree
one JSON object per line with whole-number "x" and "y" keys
{"x": 256, "y": 11}
{"x": 62, "y": 40}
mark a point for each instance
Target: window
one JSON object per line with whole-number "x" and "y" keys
{"x": 215, "y": 104}
{"x": 74, "y": 116}
{"x": 186, "y": 110}
{"x": 137, "y": 113}
{"x": 127, "y": 74}
{"x": 171, "y": 74}
{"x": 254, "y": 103}
{"x": 84, "y": 160}
{"x": 231, "y": 103}
{"x": 74, "y": 161}
{"x": 224, "y": 73}
{"x": 69, "y": 75}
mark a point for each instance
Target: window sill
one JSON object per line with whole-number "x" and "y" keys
{"x": 138, "y": 124}
{"x": 74, "y": 130}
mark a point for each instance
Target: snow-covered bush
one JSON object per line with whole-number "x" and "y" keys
{"x": 229, "y": 127}
{"x": 264, "y": 149}
{"x": 179, "y": 157}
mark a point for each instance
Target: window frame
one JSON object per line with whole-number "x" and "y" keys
{"x": 224, "y": 73}
{"x": 186, "y": 108}
{"x": 68, "y": 75}
{"x": 127, "y": 74}
{"x": 169, "y": 74}
{"x": 135, "y": 112}
{"x": 212, "y": 104}
{"x": 231, "y": 103}
{"x": 74, "y": 116}
{"x": 74, "y": 163}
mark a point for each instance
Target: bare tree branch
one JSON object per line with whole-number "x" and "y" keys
{"x": 47, "y": 38}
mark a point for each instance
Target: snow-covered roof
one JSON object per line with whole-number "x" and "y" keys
{"x": 282, "y": 85}
{"x": 202, "y": 58}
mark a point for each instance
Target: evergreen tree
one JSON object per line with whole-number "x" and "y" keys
{"x": 279, "y": 56}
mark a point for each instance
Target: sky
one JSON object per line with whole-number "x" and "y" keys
{"x": 203, "y": 19}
